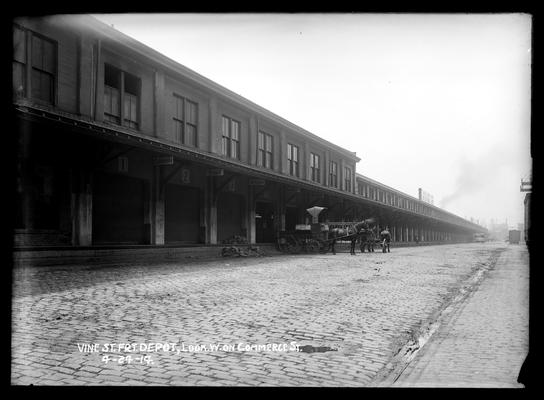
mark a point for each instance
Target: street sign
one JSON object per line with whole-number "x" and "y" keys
{"x": 163, "y": 160}
{"x": 256, "y": 182}
{"x": 215, "y": 172}
{"x": 185, "y": 175}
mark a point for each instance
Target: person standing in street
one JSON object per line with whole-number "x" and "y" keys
{"x": 385, "y": 237}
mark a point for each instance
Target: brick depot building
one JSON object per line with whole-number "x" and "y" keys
{"x": 120, "y": 145}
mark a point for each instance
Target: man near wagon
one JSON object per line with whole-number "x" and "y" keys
{"x": 385, "y": 237}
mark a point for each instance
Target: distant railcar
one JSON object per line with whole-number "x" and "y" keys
{"x": 514, "y": 236}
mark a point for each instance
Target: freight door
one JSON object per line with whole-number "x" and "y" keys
{"x": 291, "y": 215}
{"x": 118, "y": 209}
{"x": 182, "y": 214}
{"x": 230, "y": 212}
{"x": 264, "y": 222}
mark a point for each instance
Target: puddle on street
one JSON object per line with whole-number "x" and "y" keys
{"x": 315, "y": 349}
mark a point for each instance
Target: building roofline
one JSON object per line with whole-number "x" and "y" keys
{"x": 103, "y": 29}
{"x": 358, "y": 175}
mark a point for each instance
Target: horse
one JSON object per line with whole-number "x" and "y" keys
{"x": 368, "y": 239}
{"x": 352, "y": 234}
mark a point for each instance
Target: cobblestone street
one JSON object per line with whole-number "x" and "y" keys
{"x": 349, "y": 315}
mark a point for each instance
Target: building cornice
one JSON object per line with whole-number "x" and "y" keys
{"x": 107, "y": 32}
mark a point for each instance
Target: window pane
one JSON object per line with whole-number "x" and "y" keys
{"x": 268, "y": 143}
{"x": 225, "y": 127}
{"x": 179, "y": 107}
{"x": 107, "y": 100}
{"x": 37, "y": 56}
{"x": 260, "y": 140}
{"x": 178, "y": 128}
{"x": 190, "y": 136}
{"x": 130, "y": 108}
{"x": 47, "y": 87}
{"x": 127, "y": 107}
{"x": 48, "y": 56}
{"x": 111, "y": 101}
{"x": 132, "y": 84}
{"x": 224, "y": 146}
{"x": 295, "y": 153}
{"x": 42, "y": 86}
{"x": 260, "y": 156}
{"x": 19, "y": 45}
{"x": 115, "y": 102}
{"x": 235, "y": 127}
{"x": 112, "y": 76}
{"x": 192, "y": 112}
{"x": 18, "y": 79}
{"x": 134, "y": 109}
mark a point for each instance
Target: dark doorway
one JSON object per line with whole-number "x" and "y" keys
{"x": 230, "y": 212}
{"x": 182, "y": 214}
{"x": 291, "y": 218}
{"x": 264, "y": 222}
{"x": 118, "y": 209}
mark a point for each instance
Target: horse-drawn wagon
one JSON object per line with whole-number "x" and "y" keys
{"x": 319, "y": 237}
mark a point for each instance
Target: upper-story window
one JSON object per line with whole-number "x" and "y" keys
{"x": 333, "y": 174}
{"x": 347, "y": 179}
{"x": 121, "y": 88}
{"x": 43, "y": 68}
{"x": 230, "y": 137}
{"x": 315, "y": 171}
{"x": 42, "y": 64}
{"x": 292, "y": 159}
{"x": 185, "y": 121}
{"x": 264, "y": 150}
{"x": 19, "y": 61}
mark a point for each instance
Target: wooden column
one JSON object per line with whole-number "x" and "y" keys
{"x": 82, "y": 208}
{"x": 157, "y": 207}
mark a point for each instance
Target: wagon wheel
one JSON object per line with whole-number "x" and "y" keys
{"x": 293, "y": 248}
{"x": 283, "y": 245}
{"x": 294, "y": 245}
{"x": 323, "y": 246}
{"x": 312, "y": 246}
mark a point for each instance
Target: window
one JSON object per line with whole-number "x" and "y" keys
{"x": 292, "y": 159}
{"x": 347, "y": 179}
{"x": 333, "y": 174}
{"x": 19, "y": 62}
{"x": 112, "y": 98}
{"x": 43, "y": 69}
{"x": 185, "y": 121}
{"x": 231, "y": 137}
{"x": 314, "y": 168}
{"x": 264, "y": 150}
{"x": 130, "y": 100}
{"x": 121, "y": 88}
{"x": 191, "y": 123}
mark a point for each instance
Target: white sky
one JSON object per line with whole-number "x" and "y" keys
{"x": 438, "y": 101}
